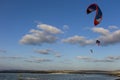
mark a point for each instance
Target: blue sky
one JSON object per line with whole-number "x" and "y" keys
{"x": 58, "y": 35}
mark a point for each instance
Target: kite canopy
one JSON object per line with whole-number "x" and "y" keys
{"x": 98, "y": 17}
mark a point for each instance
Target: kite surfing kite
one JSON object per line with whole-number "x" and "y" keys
{"x": 98, "y": 42}
{"x": 98, "y": 17}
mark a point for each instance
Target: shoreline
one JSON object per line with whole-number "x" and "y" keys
{"x": 112, "y": 73}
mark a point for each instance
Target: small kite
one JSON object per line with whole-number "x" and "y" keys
{"x": 98, "y": 17}
{"x": 91, "y": 50}
{"x": 98, "y": 42}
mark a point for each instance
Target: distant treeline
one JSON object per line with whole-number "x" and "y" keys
{"x": 22, "y": 71}
{"x": 55, "y": 71}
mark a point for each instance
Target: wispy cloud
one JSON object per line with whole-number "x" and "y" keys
{"x": 113, "y": 57}
{"x": 2, "y": 51}
{"x": 45, "y": 51}
{"x": 65, "y": 27}
{"x": 44, "y": 34}
{"x": 57, "y": 55}
{"x": 48, "y": 51}
{"x": 106, "y": 59}
{"x": 113, "y": 27}
{"x": 84, "y": 58}
{"x": 11, "y": 57}
{"x": 38, "y": 60}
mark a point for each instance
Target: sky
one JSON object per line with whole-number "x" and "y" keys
{"x": 58, "y": 35}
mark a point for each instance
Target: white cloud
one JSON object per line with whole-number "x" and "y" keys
{"x": 49, "y": 28}
{"x": 101, "y": 30}
{"x": 11, "y": 57}
{"x": 106, "y": 38}
{"x": 113, "y": 27}
{"x": 45, "y": 34}
{"x": 74, "y": 39}
{"x": 37, "y": 38}
{"x": 112, "y": 38}
{"x": 106, "y": 59}
{"x": 45, "y": 51}
{"x": 48, "y": 51}
{"x": 78, "y": 40}
{"x": 42, "y": 60}
{"x": 57, "y": 55}
{"x": 84, "y": 58}
{"x": 38, "y": 60}
{"x": 65, "y": 27}
{"x": 113, "y": 57}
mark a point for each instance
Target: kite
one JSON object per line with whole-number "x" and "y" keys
{"x": 91, "y": 50}
{"x": 98, "y": 42}
{"x": 98, "y": 17}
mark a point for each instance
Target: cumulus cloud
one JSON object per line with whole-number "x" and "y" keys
{"x": 49, "y": 28}
{"x": 112, "y": 38}
{"x": 78, "y": 40}
{"x": 37, "y": 38}
{"x": 106, "y": 37}
{"x": 44, "y": 34}
{"x": 106, "y": 59}
{"x": 101, "y": 30}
